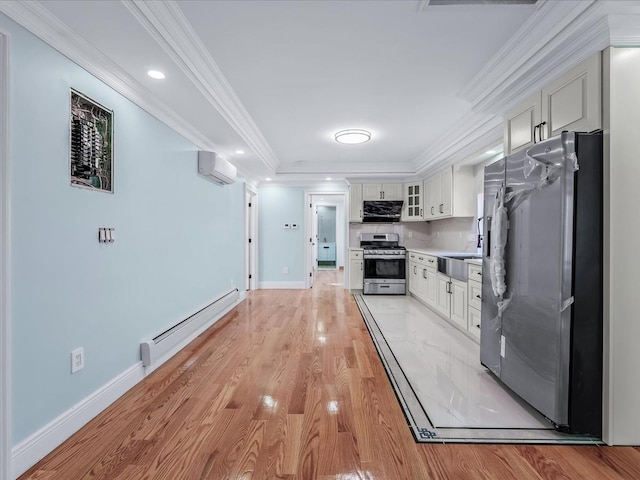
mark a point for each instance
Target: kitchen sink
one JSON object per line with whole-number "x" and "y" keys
{"x": 463, "y": 256}
{"x": 454, "y": 265}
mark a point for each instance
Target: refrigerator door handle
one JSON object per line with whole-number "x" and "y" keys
{"x": 488, "y": 239}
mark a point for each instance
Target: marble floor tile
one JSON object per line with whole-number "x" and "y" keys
{"x": 436, "y": 371}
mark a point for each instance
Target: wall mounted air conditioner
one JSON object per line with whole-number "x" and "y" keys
{"x": 215, "y": 168}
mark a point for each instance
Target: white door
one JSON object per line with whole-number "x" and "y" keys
{"x": 251, "y": 239}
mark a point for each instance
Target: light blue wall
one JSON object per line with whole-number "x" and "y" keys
{"x": 179, "y": 238}
{"x": 279, "y": 247}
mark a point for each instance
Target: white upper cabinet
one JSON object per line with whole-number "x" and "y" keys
{"x": 355, "y": 202}
{"x": 449, "y": 193}
{"x": 413, "y": 208}
{"x": 520, "y": 125}
{"x": 572, "y": 102}
{"x": 385, "y": 191}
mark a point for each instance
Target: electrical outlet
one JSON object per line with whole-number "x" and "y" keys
{"x": 285, "y": 269}
{"x": 77, "y": 360}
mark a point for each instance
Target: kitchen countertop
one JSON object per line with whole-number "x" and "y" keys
{"x": 443, "y": 253}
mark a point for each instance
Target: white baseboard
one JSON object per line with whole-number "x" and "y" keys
{"x": 42, "y": 442}
{"x": 281, "y": 285}
{"x": 34, "y": 448}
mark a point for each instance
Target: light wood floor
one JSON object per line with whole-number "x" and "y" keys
{"x": 289, "y": 386}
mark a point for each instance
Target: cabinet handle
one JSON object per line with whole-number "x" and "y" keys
{"x": 420, "y": 212}
{"x": 540, "y": 131}
{"x": 479, "y": 273}
{"x": 478, "y": 296}
{"x": 360, "y": 213}
{"x": 415, "y": 269}
{"x": 424, "y": 272}
{"x": 448, "y": 287}
{"x": 535, "y": 129}
{"x": 430, "y": 261}
{"x": 360, "y": 266}
{"x": 420, "y": 258}
{"x": 440, "y": 208}
{"x": 477, "y": 326}
{"x": 431, "y": 210}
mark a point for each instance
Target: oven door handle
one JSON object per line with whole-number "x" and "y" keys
{"x": 385, "y": 257}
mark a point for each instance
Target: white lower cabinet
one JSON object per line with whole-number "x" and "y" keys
{"x": 473, "y": 325}
{"x": 474, "y": 286}
{"x": 356, "y": 270}
{"x": 443, "y": 302}
{"x": 458, "y": 294}
{"x": 431, "y": 294}
{"x": 459, "y": 302}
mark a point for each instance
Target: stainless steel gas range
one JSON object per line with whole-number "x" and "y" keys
{"x": 384, "y": 264}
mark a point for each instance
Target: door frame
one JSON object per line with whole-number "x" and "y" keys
{"x": 5, "y": 266}
{"x": 251, "y": 232}
{"x": 308, "y": 231}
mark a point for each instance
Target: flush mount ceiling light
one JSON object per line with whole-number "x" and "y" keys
{"x": 156, "y": 74}
{"x": 240, "y": 152}
{"x": 352, "y": 136}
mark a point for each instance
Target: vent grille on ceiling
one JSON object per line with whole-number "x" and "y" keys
{"x": 449, "y": 3}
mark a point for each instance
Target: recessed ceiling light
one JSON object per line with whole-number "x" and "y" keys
{"x": 352, "y": 136}
{"x": 490, "y": 152}
{"x": 158, "y": 75}
{"x": 328, "y": 178}
{"x": 240, "y": 152}
{"x": 268, "y": 179}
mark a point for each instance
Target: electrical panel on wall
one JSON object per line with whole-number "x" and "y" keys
{"x": 91, "y": 135}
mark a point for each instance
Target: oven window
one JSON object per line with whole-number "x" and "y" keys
{"x": 384, "y": 268}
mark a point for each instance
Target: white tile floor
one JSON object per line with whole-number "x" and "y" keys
{"x": 437, "y": 374}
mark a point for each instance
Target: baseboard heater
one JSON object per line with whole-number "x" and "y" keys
{"x": 156, "y": 348}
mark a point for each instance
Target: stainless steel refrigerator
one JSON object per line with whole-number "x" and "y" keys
{"x": 541, "y": 330}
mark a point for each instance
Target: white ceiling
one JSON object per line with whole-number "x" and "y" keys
{"x": 277, "y": 78}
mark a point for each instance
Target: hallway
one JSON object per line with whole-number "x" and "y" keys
{"x": 289, "y": 386}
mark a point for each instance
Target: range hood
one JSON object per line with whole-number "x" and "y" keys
{"x": 381, "y": 211}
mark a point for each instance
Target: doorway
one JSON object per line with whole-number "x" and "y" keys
{"x": 251, "y": 238}
{"x": 5, "y": 280}
{"x": 316, "y": 236}
{"x": 325, "y": 219}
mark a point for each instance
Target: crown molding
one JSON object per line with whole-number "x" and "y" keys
{"x": 624, "y": 30}
{"x": 346, "y": 168}
{"x": 42, "y": 23}
{"x": 558, "y": 36}
{"x": 36, "y": 18}
{"x": 168, "y": 26}
{"x": 470, "y": 134}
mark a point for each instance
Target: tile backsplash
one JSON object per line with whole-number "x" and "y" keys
{"x": 454, "y": 234}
